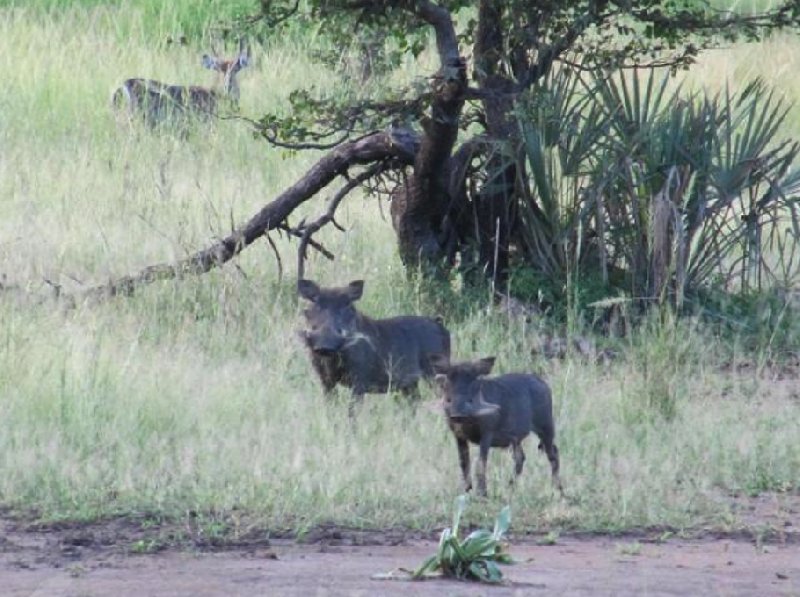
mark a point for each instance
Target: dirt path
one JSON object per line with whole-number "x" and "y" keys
{"x": 57, "y": 563}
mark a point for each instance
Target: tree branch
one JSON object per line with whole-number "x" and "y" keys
{"x": 594, "y": 16}
{"x": 436, "y": 16}
{"x": 298, "y": 233}
{"x": 378, "y": 147}
{"x": 328, "y": 217}
{"x": 442, "y": 22}
{"x": 713, "y": 21}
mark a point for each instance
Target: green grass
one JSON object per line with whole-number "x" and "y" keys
{"x": 196, "y": 394}
{"x": 155, "y": 20}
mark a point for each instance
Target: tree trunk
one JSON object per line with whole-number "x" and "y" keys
{"x": 419, "y": 208}
{"x": 495, "y": 204}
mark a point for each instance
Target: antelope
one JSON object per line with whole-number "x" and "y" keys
{"x": 157, "y": 102}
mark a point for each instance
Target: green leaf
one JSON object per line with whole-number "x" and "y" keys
{"x": 480, "y": 545}
{"x": 494, "y": 573}
{"x": 429, "y": 565}
{"x": 443, "y": 538}
{"x": 502, "y": 523}
{"x": 478, "y": 571}
{"x": 461, "y": 503}
{"x": 504, "y": 558}
{"x": 536, "y": 159}
{"x": 457, "y": 552}
{"x": 476, "y": 534}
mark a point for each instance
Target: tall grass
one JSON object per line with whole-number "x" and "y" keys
{"x": 156, "y": 20}
{"x": 196, "y": 395}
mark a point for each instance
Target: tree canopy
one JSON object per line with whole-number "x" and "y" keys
{"x": 543, "y": 140}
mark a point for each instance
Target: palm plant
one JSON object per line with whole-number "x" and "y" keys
{"x": 661, "y": 192}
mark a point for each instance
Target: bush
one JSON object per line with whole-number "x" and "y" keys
{"x": 659, "y": 193}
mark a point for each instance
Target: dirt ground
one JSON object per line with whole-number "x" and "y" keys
{"x": 101, "y": 559}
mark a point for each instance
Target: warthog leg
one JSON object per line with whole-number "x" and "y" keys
{"x": 551, "y": 450}
{"x": 355, "y": 402}
{"x": 519, "y": 460}
{"x": 486, "y": 442}
{"x": 463, "y": 459}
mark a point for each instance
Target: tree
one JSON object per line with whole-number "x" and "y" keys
{"x": 456, "y": 156}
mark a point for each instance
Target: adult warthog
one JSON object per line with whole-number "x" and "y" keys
{"x": 365, "y": 354}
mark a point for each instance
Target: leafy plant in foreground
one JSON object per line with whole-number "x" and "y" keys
{"x": 474, "y": 558}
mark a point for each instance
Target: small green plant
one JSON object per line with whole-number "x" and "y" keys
{"x": 665, "y": 536}
{"x": 550, "y": 538}
{"x": 474, "y": 558}
{"x": 629, "y": 549}
{"x": 145, "y": 546}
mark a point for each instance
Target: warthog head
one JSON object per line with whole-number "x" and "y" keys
{"x": 331, "y": 318}
{"x": 457, "y": 385}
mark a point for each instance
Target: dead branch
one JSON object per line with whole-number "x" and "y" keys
{"x": 277, "y": 254}
{"x": 377, "y": 147}
{"x": 328, "y": 217}
{"x": 298, "y": 233}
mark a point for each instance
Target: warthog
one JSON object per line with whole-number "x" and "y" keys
{"x": 365, "y": 354}
{"x": 156, "y": 102}
{"x": 497, "y": 412}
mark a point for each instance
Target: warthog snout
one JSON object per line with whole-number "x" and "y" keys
{"x": 324, "y": 343}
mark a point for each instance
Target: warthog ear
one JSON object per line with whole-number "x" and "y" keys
{"x": 355, "y": 289}
{"x": 484, "y": 366}
{"x": 308, "y": 290}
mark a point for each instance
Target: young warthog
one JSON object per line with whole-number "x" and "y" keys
{"x": 496, "y": 412}
{"x": 365, "y": 354}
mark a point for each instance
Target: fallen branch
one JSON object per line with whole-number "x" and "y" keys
{"x": 314, "y": 244}
{"x": 327, "y": 217}
{"x": 377, "y": 147}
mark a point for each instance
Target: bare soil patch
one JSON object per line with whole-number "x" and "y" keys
{"x": 102, "y": 559}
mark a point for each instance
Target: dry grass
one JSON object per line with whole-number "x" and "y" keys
{"x": 195, "y": 395}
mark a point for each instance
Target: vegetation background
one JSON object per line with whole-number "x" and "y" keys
{"x": 196, "y": 396}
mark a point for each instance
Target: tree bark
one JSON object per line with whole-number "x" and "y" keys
{"x": 495, "y": 204}
{"x": 420, "y": 207}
